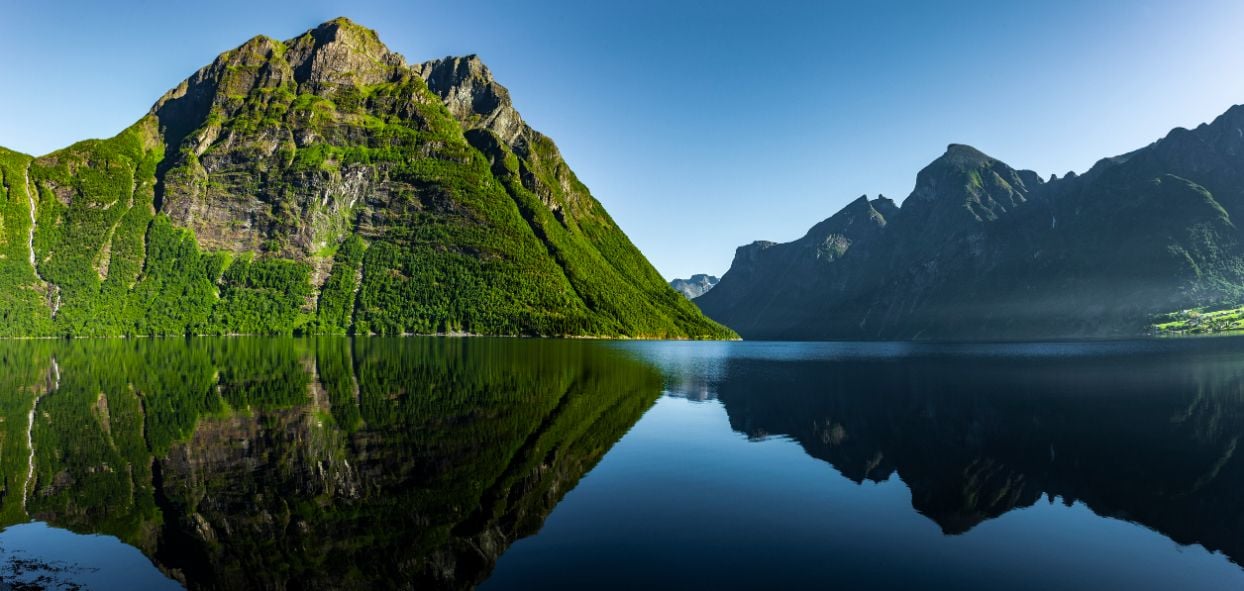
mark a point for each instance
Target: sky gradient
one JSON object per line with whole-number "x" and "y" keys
{"x": 701, "y": 126}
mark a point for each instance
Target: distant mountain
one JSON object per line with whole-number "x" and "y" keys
{"x": 322, "y": 185}
{"x": 980, "y": 250}
{"x": 694, "y": 287}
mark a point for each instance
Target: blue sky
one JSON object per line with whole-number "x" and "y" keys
{"x": 700, "y": 125}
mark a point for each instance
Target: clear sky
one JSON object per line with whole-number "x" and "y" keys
{"x": 701, "y": 126}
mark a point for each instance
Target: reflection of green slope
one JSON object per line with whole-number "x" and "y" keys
{"x": 259, "y": 373}
{"x": 92, "y": 466}
{"x": 453, "y": 450}
{"x": 331, "y": 463}
{"x": 94, "y": 435}
{"x": 23, "y": 377}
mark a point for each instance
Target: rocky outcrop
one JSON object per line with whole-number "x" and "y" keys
{"x": 475, "y": 98}
{"x": 229, "y": 175}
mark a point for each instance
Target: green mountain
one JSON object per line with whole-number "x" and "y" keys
{"x": 980, "y": 250}
{"x": 322, "y": 185}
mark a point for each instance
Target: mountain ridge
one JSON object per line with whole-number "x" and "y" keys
{"x": 983, "y": 251}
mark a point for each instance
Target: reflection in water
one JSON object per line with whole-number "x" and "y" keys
{"x": 1147, "y": 434}
{"x": 379, "y": 463}
{"x": 242, "y": 463}
{"x": 35, "y": 556}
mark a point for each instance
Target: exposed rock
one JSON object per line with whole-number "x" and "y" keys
{"x": 694, "y": 287}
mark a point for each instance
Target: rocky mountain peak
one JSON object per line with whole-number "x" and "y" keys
{"x": 950, "y": 171}
{"x": 332, "y": 55}
{"x": 885, "y": 206}
{"x": 964, "y": 178}
{"x": 279, "y": 188}
{"x": 963, "y": 155}
{"x": 830, "y": 239}
{"x": 857, "y": 216}
{"x": 860, "y": 203}
{"x": 474, "y": 97}
{"x": 492, "y": 125}
{"x": 336, "y": 52}
{"x": 342, "y": 52}
{"x": 456, "y": 70}
{"x": 1232, "y": 119}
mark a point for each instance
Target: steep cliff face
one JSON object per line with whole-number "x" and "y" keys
{"x": 250, "y": 112}
{"x": 980, "y": 250}
{"x": 321, "y": 184}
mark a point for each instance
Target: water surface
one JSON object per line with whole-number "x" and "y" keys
{"x": 504, "y": 463}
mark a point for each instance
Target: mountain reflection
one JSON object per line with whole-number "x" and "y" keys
{"x": 248, "y": 463}
{"x": 1146, "y": 438}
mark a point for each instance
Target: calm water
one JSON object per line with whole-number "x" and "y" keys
{"x": 522, "y": 464}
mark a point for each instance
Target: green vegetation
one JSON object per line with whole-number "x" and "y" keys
{"x": 94, "y": 207}
{"x": 263, "y": 296}
{"x": 336, "y": 306}
{"x": 176, "y": 293}
{"x": 24, "y": 308}
{"x": 1200, "y": 321}
{"x": 25, "y": 374}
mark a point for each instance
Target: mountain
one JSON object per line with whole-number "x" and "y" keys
{"x": 980, "y": 250}
{"x": 694, "y": 287}
{"x": 323, "y": 185}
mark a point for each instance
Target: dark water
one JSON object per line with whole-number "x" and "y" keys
{"x": 521, "y": 464}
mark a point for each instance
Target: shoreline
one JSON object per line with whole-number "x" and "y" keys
{"x": 450, "y": 335}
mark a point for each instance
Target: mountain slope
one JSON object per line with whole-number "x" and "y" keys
{"x": 980, "y": 250}
{"x": 322, "y": 185}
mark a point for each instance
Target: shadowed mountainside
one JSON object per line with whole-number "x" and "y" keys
{"x": 980, "y": 250}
